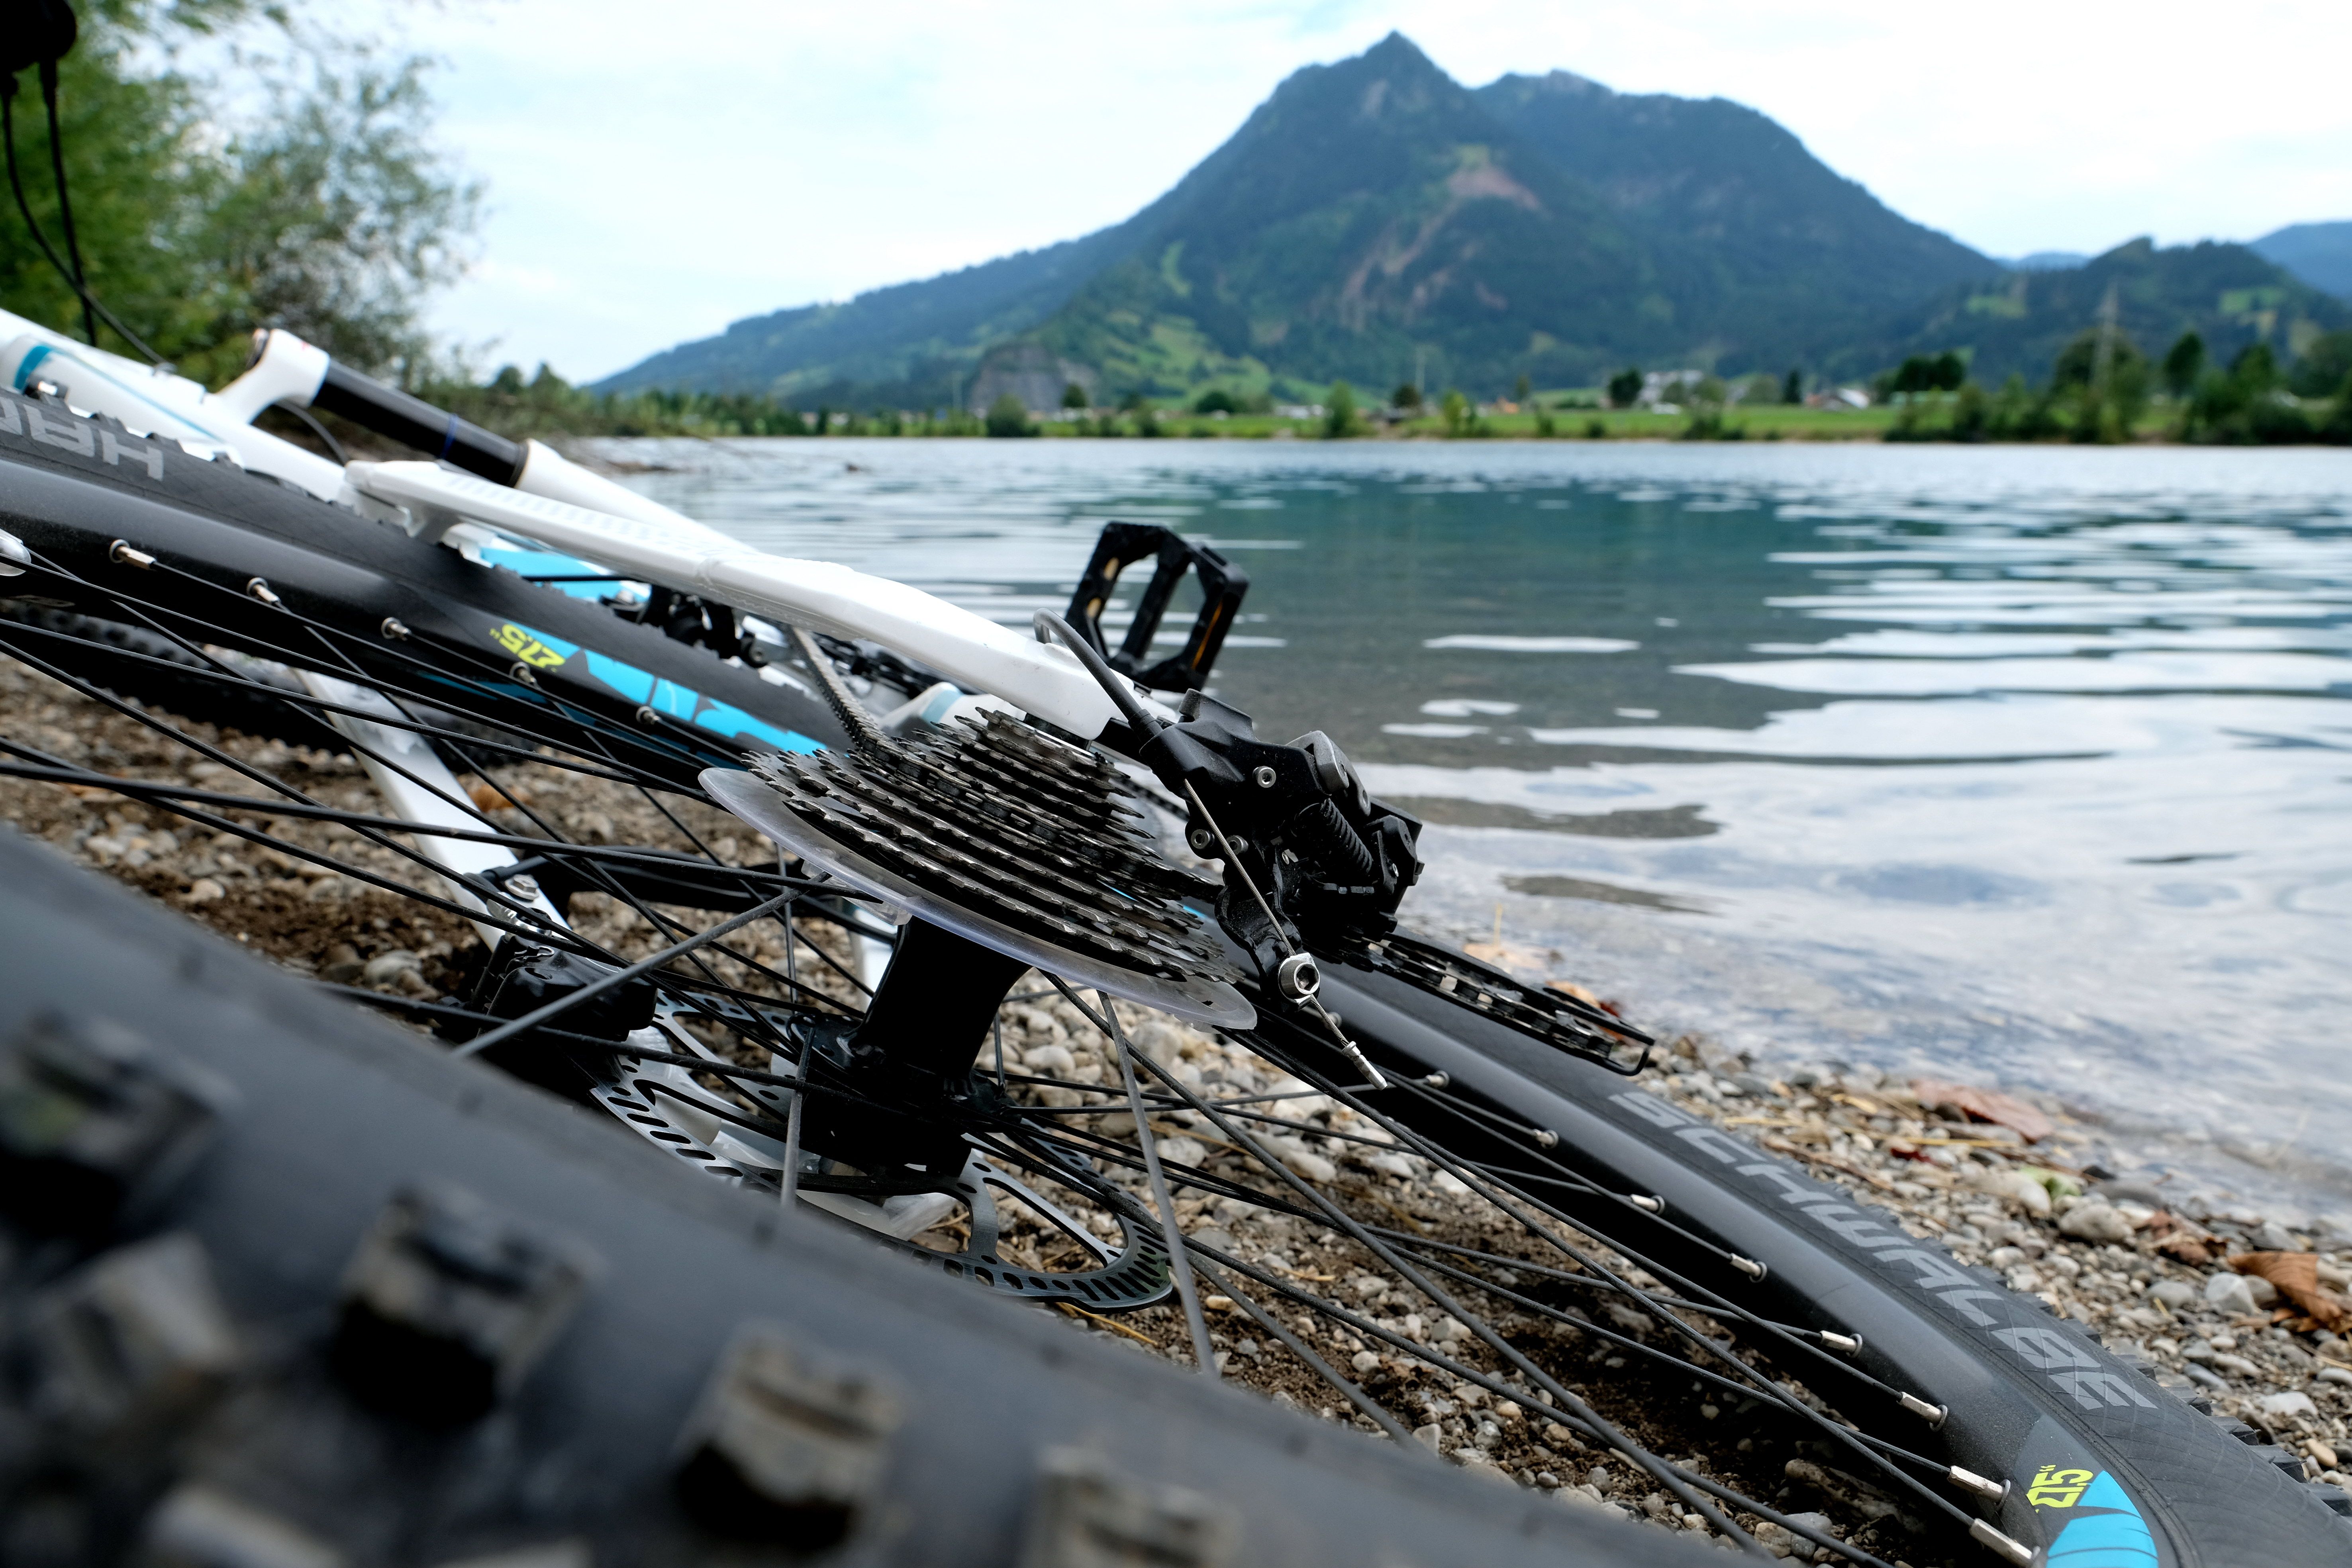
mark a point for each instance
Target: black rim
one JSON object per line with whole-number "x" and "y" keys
{"x": 1542, "y": 1293}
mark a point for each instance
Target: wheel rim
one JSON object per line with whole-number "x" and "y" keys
{"x": 734, "y": 1006}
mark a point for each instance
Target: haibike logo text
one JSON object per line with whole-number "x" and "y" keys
{"x": 53, "y": 427}
{"x": 2066, "y": 1365}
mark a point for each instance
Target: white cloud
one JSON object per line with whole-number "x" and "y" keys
{"x": 655, "y": 174}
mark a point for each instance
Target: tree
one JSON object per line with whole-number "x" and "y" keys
{"x": 296, "y": 184}
{"x": 1924, "y": 373}
{"x": 2096, "y": 353}
{"x": 1216, "y": 400}
{"x": 2182, "y": 364}
{"x": 1340, "y": 412}
{"x": 1406, "y": 397}
{"x": 2105, "y": 376}
{"x": 1456, "y": 409}
{"x": 2324, "y": 364}
{"x": 2255, "y": 368}
{"x": 1008, "y": 416}
{"x": 1522, "y": 391}
{"x": 1793, "y": 390}
{"x": 1075, "y": 396}
{"x": 1973, "y": 415}
{"x": 1624, "y": 387}
{"x": 2338, "y": 425}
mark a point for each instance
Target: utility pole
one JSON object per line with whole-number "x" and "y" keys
{"x": 2103, "y": 359}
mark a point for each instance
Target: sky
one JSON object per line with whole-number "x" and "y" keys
{"x": 655, "y": 173}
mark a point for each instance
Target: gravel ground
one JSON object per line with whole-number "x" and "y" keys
{"x": 2130, "y": 1253}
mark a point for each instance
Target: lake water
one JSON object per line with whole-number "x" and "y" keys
{"x": 2029, "y": 765}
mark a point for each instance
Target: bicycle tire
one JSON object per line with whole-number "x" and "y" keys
{"x": 2024, "y": 1388}
{"x": 132, "y": 661}
{"x": 2181, "y": 1473}
{"x": 592, "y": 1456}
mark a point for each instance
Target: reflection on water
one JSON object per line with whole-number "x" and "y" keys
{"x": 2033, "y": 762}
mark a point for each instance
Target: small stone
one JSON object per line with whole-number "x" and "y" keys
{"x": 386, "y": 967}
{"x": 2204, "y": 1377}
{"x": 2127, "y": 1192}
{"x": 2005, "y": 1258}
{"x": 1309, "y": 1165}
{"x": 1558, "y": 1436}
{"x": 1363, "y": 1361}
{"x": 2271, "y": 1237}
{"x": 1184, "y": 1152}
{"x": 1599, "y": 1478}
{"x": 1049, "y": 1059}
{"x": 1428, "y": 1436}
{"x": 2264, "y": 1293}
{"x": 1709, "y": 1412}
{"x": 2172, "y": 1294}
{"x": 2095, "y": 1220}
{"x": 2286, "y": 1407}
{"x": 2017, "y": 1187}
{"x": 2322, "y": 1452}
{"x": 2337, "y": 1376}
{"x": 1547, "y": 1480}
{"x": 205, "y": 891}
{"x": 2230, "y": 1294}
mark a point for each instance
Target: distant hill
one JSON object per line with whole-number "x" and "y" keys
{"x": 902, "y": 338}
{"x": 2318, "y": 253}
{"x": 1375, "y": 219}
{"x": 2226, "y": 293}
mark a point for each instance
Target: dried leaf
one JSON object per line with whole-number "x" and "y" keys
{"x": 2296, "y": 1277}
{"x": 1986, "y": 1105}
{"x": 2185, "y": 1249}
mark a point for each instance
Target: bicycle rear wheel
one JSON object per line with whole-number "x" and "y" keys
{"x": 1533, "y": 1265}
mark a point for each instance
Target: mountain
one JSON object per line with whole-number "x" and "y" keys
{"x": 2227, "y": 294}
{"x": 1368, "y": 218}
{"x": 1769, "y": 250}
{"x": 1376, "y": 220}
{"x": 2318, "y": 253}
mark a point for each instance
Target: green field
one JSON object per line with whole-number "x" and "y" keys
{"x": 1771, "y": 422}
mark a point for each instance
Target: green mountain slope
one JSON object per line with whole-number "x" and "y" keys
{"x": 1768, "y": 251}
{"x": 1376, "y": 220}
{"x": 2226, "y": 293}
{"x": 907, "y": 343}
{"x": 2318, "y": 253}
